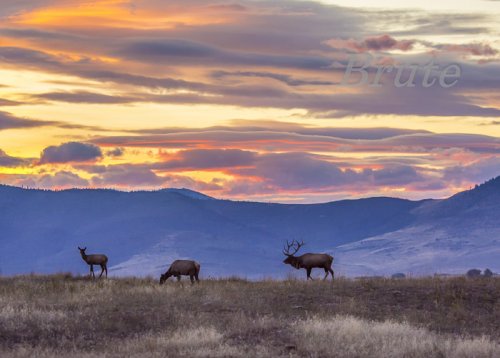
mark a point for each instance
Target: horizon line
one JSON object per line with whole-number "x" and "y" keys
{"x": 55, "y": 190}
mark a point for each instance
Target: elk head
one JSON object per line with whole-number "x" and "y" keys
{"x": 290, "y": 258}
{"x": 82, "y": 251}
{"x": 164, "y": 277}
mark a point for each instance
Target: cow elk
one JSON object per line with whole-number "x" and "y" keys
{"x": 95, "y": 259}
{"x": 307, "y": 261}
{"x": 182, "y": 268}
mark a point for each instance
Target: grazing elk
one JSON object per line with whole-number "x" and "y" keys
{"x": 184, "y": 268}
{"x": 95, "y": 259}
{"x": 307, "y": 261}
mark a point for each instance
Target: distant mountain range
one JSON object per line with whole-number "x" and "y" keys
{"x": 142, "y": 232}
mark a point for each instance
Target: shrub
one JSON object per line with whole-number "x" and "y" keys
{"x": 473, "y": 273}
{"x": 487, "y": 273}
{"x": 398, "y": 275}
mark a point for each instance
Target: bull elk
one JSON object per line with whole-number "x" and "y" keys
{"x": 95, "y": 259}
{"x": 307, "y": 261}
{"x": 182, "y": 268}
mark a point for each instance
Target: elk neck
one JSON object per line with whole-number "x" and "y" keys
{"x": 84, "y": 256}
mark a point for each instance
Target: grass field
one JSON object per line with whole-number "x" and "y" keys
{"x": 65, "y": 316}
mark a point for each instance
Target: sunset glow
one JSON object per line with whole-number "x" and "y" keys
{"x": 241, "y": 99}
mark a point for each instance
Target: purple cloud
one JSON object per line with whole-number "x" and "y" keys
{"x": 127, "y": 175}
{"x": 59, "y": 180}
{"x": 70, "y": 152}
{"x": 8, "y": 161}
{"x": 210, "y": 158}
{"x": 373, "y": 43}
{"x": 117, "y": 152}
{"x": 9, "y": 121}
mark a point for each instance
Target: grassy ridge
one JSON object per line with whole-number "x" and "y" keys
{"x": 72, "y": 316}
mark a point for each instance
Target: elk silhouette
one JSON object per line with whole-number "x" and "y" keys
{"x": 95, "y": 259}
{"x": 184, "y": 268}
{"x": 307, "y": 261}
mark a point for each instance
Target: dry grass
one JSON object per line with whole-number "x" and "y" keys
{"x": 353, "y": 337}
{"x": 61, "y": 315}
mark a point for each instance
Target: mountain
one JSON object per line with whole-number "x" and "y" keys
{"x": 446, "y": 236}
{"x": 187, "y": 192}
{"x": 142, "y": 232}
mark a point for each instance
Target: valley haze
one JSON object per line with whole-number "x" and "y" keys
{"x": 142, "y": 232}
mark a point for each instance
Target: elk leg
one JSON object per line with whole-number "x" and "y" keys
{"x": 191, "y": 277}
{"x": 106, "y": 268}
{"x": 196, "y": 277}
{"x": 309, "y": 274}
{"x": 333, "y": 275}
{"x": 178, "y": 278}
{"x": 326, "y": 274}
{"x": 102, "y": 271}
{"x": 92, "y": 271}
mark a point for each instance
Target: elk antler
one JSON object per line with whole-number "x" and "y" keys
{"x": 295, "y": 245}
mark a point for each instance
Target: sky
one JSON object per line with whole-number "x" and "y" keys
{"x": 244, "y": 99}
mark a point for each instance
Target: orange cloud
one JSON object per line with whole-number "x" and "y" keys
{"x": 155, "y": 76}
{"x": 120, "y": 13}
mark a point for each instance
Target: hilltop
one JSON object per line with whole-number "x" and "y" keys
{"x": 142, "y": 232}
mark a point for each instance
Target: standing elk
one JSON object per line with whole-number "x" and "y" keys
{"x": 307, "y": 261}
{"x": 95, "y": 259}
{"x": 184, "y": 268}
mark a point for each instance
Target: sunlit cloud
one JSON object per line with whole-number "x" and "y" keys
{"x": 244, "y": 99}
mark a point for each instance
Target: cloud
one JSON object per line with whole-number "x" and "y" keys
{"x": 199, "y": 54}
{"x": 476, "y": 49}
{"x": 303, "y": 62}
{"x": 276, "y": 136}
{"x": 141, "y": 176}
{"x": 179, "y": 181}
{"x": 254, "y": 125}
{"x": 386, "y": 42}
{"x": 13, "y": 7}
{"x": 59, "y": 180}
{"x": 289, "y": 80}
{"x": 428, "y": 23}
{"x": 386, "y": 100}
{"x": 30, "y": 58}
{"x": 9, "y": 121}
{"x": 374, "y": 43}
{"x": 127, "y": 176}
{"x": 117, "y": 152}
{"x": 299, "y": 171}
{"x": 473, "y": 173}
{"x": 269, "y": 158}
{"x": 7, "y": 102}
{"x": 396, "y": 176}
{"x": 46, "y": 62}
{"x": 8, "y": 161}
{"x": 254, "y": 173}
{"x": 210, "y": 159}
{"x": 169, "y": 48}
{"x": 248, "y": 55}
{"x": 491, "y": 123}
{"x": 83, "y": 97}
{"x": 288, "y": 171}
{"x": 401, "y": 101}
{"x": 37, "y": 34}
{"x": 70, "y": 152}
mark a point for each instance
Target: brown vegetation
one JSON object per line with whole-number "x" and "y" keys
{"x": 73, "y": 316}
